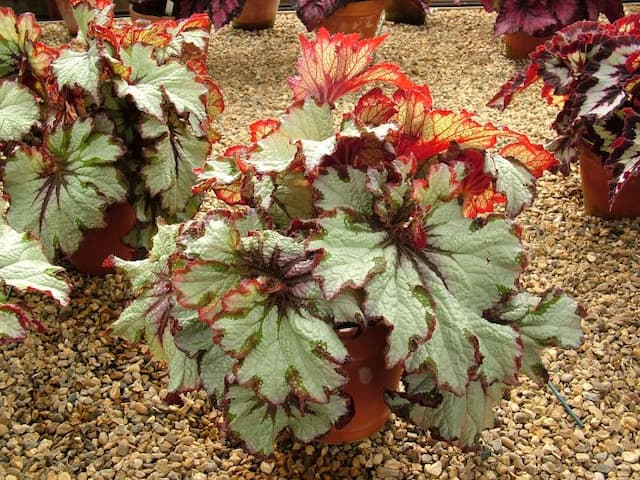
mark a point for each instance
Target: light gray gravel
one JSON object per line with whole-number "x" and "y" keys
{"x": 76, "y": 403}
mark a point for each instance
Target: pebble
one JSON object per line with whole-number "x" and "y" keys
{"x": 631, "y": 457}
{"x": 266, "y": 467}
{"x": 434, "y": 469}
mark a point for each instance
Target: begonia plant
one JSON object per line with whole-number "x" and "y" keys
{"x": 591, "y": 71}
{"x": 116, "y": 117}
{"x": 23, "y": 267}
{"x": 402, "y": 215}
{"x": 541, "y": 18}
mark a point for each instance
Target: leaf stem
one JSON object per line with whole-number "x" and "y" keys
{"x": 566, "y": 406}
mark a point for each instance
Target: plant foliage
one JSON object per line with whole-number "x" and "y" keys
{"x": 117, "y": 117}
{"x": 541, "y": 18}
{"x": 401, "y": 215}
{"x": 23, "y": 267}
{"x": 591, "y": 72}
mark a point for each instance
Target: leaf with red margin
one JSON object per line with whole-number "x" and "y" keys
{"x": 374, "y": 108}
{"x": 517, "y": 83}
{"x": 21, "y": 52}
{"x": 259, "y": 423}
{"x": 534, "y": 157}
{"x": 554, "y": 319}
{"x": 263, "y": 128}
{"x": 625, "y": 154}
{"x": 442, "y": 128}
{"x": 331, "y": 66}
{"x": 453, "y": 417}
{"x": 304, "y": 352}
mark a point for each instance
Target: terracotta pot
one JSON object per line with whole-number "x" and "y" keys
{"x": 410, "y": 12}
{"x": 356, "y": 17}
{"x": 595, "y": 188}
{"x": 368, "y": 379}
{"x": 64, "y": 7}
{"x": 257, "y": 15}
{"x": 519, "y": 45}
{"x": 99, "y": 243}
{"x": 136, "y": 16}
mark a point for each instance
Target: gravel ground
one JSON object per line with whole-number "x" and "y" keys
{"x": 76, "y": 403}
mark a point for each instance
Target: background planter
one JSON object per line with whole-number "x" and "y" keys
{"x": 99, "y": 243}
{"x": 368, "y": 378}
{"x": 519, "y": 45}
{"x": 64, "y": 7}
{"x": 257, "y": 15}
{"x": 410, "y": 12}
{"x": 356, "y": 17}
{"x": 595, "y": 188}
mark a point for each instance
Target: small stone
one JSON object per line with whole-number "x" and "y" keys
{"x": 199, "y": 476}
{"x": 631, "y": 457}
{"x": 592, "y": 397}
{"x": 103, "y": 438}
{"x": 507, "y": 443}
{"x": 598, "y": 476}
{"x": 566, "y": 377}
{"x": 582, "y": 457}
{"x": 3, "y": 430}
{"x": 434, "y": 469}
{"x": 140, "y": 408}
{"x": 64, "y": 428}
{"x": 266, "y": 467}
{"x": 602, "y": 387}
{"x": 64, "y": 476}
{"x": 11, "y": 477}
{"x": 605, "y": 467}
{"x": 377, "y": 459}
{"x": 629, "y": 422}
{"x": 122, "y": 449}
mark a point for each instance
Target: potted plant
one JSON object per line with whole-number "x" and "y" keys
{"x": 23, "y": 267}
{"x": 384, "y": 229}
{"x": 243, "y": 14}
{"x": 104, "y": 135}
{"x": 411, "y": 12}
{"x": 590, "y": 70}
{"x": 346, "y": 16}
{"x": 526, "y": 24}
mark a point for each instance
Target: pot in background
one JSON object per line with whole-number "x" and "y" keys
{"x": 595, "y": 188}
{"x": 356, "y": 17}
{"x": 65, "y": 10}
{"x": 410, "y": 12}
{"x": 257, "y": 15}
{"x": 519, "y": 45}
{"x": 368, "y": 378}
{"x": 98, "y": 244}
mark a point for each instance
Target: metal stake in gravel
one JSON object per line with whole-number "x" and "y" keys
{"x": 566, "y": 406}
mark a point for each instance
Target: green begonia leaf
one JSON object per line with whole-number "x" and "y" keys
{"x": 478, "y": 260}
{"x": 170, "y": 162}
{"x": 259, "y": 423}
{"x": 344, "y": 191}
{"x": 455, "y": 417}
{"x": 397, "y": 295}
{"x": 303, "y": 351}
{"x": 18, "y": 111}
{"x": 72, "y": 193}
{"x": 352, "y": 253}
{"x": 149, "y": 84}
{"x": 513, "y": 180}
{"x": 24, "y": 266}
{"x": 553, "y": 319}
{"x": 81, "y": 68}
